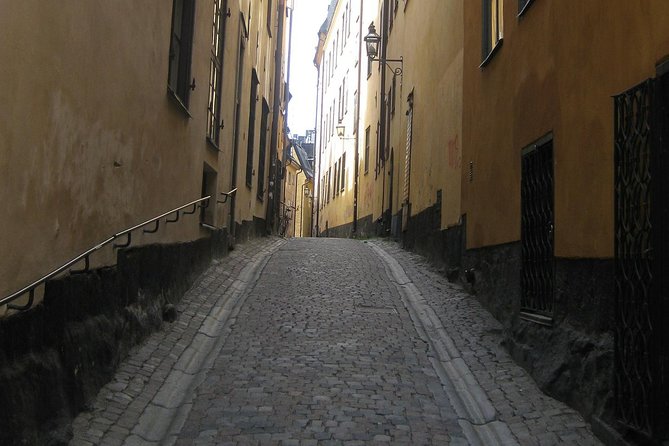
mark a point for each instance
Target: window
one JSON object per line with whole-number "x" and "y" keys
{"x": 355, "y": 112}
{"x": 181, "y": 45}
{"x": 207, "y": 211}
{"x": 340, "y": 108}
{"x": 327, "y": 125}
{"x": 367, "y": 134}
{"x": 345, "y": 94}
{"x": 324, "y": 191}
{"x": 342, "y": 168}
{"x": 252, "y": 128}
{"x": 392, "y": 95}
{"x": 343, "y": 28}
{"x": 391, "y": 17}
{"x": 335, "y": 192}
{"x": 262, "y": 150}
{"x": 329, "y": 180}
{"x": 270, "y": 13}
{"x": 336, "y": 49}
{"x": 492, "y": 29}
{"x": 215, "y": 74}
{"x": 377, "y": 168}
{"x": 344, "y": 22}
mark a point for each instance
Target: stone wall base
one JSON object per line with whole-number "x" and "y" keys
{"x": 55, "y": 357}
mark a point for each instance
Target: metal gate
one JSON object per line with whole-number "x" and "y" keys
{"x": 640, "y": 252}
{"x": 538, "y": 265}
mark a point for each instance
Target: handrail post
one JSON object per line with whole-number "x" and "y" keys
{"x": 85, "y": 269}
{"x": 31, "y": 299}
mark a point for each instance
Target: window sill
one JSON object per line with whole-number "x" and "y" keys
{"x": 492, "y": 53}
{"x": 525, "y": 8}
{"x": 178, "y": 102}
{"x": 212, "y": 145}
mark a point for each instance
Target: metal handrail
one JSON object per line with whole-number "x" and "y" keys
{"x": 199, "y": 203}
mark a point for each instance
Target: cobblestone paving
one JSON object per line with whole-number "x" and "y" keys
{"x": 323, "y": 348}
{"x": 533, "y": 417}
{"x": 116, "y": 413}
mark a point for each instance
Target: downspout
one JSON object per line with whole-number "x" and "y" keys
{"x": 276, "y": 111}
{"x": 295, "y": 201}
{"x": 282, "y": 187}
{"x": 356, "y": 155}
{"x": 382, "y": 139}
{"x": 302, "y": 207}
{"x": 317, "y": 153}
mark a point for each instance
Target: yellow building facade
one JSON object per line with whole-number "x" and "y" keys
{"x": 403, "y": 131}
{"x": 563, "y": 114}
{"x": 116, "y": 113}
{"x": 519, "y": 145}
{"x": 134, "y": 132}
{"x": 297, "y": 203}
{"x": 336, "y": 132}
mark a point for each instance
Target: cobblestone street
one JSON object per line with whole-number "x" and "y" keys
{"x": 326, "y": 341}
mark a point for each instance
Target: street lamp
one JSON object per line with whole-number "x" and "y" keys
{"x": 372, "y": 41}
{"x": 341, "y": 130}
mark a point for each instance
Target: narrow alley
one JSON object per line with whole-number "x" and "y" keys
{"x": 326, "y": 341}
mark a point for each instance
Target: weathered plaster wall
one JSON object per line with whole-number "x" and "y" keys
{"x": 556, "y": 71}
{"x": 91, "y": 142}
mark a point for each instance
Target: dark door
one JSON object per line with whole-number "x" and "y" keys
{"x": 537, "y": 223}
{"x": 641, "y": 372}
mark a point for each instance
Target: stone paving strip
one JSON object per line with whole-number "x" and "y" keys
{"x": 462, "y": 332}
{"x": 478, "y": 416}
{"x": 151, "y": 394}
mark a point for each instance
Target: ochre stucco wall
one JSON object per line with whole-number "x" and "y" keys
{"x": 556, "y": 71}
{"x": 90, "y": 141}
{"x": 428, "y": 36}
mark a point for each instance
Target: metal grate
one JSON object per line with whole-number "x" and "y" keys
{"x": 537, "y": 274}
{"x": 633, "y": 250}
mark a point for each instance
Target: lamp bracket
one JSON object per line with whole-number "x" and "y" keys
{"x": 397, "y": 71}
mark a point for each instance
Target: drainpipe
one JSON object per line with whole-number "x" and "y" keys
{"x": 276, "y": 111}
{"x": 284, "y": 170}
{"x": 295, "y": 201}
{"x": 356, "y": 155}
{"x": 382, "y": 109}
{"x": 302, "y": 207}
{"x": 318, "y": 148}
